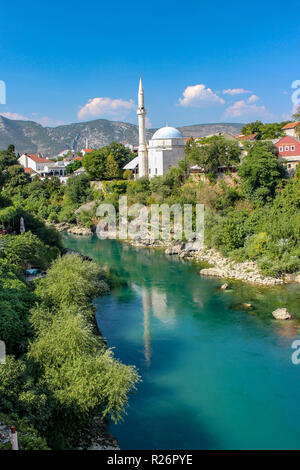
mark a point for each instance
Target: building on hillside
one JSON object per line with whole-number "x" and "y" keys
{"x": 225, "y": 135}
{"x": 290, "y": 128}
{"x": 64, "y": 153}
{"x": 163, "y": 151}
{"x": 68, "y": 158}
{"x": 79, "y": 171}
{"x": 32, "y": 173}
{"x": 133, "y": 166}
{"x": 43, "y": 166}
{"x": 242, "y": 137}
{"x": 129, "y": 146}
{"x": 85, "y": 151}
{"x": 33, "y": 161}
{"x": 289, "y": 152}
{"x": 226, "y": 173}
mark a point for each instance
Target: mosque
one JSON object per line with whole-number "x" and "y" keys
{"x": 164, "y": 150}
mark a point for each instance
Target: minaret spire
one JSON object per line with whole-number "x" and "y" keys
{"x": 141, "y": 112}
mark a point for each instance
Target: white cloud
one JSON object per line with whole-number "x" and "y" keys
{"x": 199, "y": 96}
{"x": 102, "y": 107}
{"x": 253, "y": 99}
{"x": 235, "y": 91}
{"x": 245, "y": 109}
{"x": 15, "y": 116}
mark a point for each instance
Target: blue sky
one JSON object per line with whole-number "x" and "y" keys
{"x": 68, "y": 61}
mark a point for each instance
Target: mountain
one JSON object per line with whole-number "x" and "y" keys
{"x": 200, "y": 130}
{"x": 31, "y": 137}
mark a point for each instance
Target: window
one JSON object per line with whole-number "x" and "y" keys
{"x": 281, "y": 148}
{"x": 293, "y": 148}
{"x": 156, "y": 171}
{"x": 287, "y": 148}
{"x": 289, "y": 166}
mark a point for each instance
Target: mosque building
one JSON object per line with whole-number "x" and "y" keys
{"x": 164, "y": 150}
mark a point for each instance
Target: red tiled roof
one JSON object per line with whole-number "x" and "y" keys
{"x": 37, "y": 158}
{"x": 246, "y": 137}
{"x": 77, "y": 158}
{"x": 291, "y": 125}
{"x": 287, "y": 140}
{"x": 87, "y": 150}
{"x": 28, "y": 170}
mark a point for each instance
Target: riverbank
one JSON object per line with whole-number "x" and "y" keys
{"x": 219, "y": 265}
{"x": 180, "y": 330}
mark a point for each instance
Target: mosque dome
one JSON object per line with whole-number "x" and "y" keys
{"x": 167, "y": 133}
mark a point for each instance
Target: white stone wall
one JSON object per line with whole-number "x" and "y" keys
{"x": 163, "y": 154}
{"x": 290, "y": 132}
{"x": 26, "y": 162}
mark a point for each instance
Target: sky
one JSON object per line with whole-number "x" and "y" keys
{"x": 70, "y": 61}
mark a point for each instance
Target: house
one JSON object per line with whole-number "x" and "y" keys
{"x": 80, "y": 171}
{"x": 32, "y": 173}
{"x": 64, "y": 153}
{"x": 225, "y": 135}
{"x": 44, "y": 167}
{"x": 84, "y": 151}
{"x": 34, "y": 161}
{"x": 133, "y": 166}
{"x": 243, "y": 137}
{"x": 289, "y": 152}
{"x": 226, "y": 173}
{"x": 290, "y": 128}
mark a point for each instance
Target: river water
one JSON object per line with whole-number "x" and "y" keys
{"x": 214, "y": 374}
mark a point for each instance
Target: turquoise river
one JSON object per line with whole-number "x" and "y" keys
{"x": 214, "y": 374}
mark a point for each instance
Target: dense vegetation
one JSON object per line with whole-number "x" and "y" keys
{"x": 58, "y": 370}
{"x": 59, "y": 374}
{"x": 246, "y": 212}
{"x": 264, "y": 131}
{"x": 251, "y": 214}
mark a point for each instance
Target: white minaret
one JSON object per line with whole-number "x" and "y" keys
{"x": 143, "y": 152}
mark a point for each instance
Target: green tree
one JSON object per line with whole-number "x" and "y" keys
{"x": 26, "y": 249}
{"x": 71, "y": 167}
{"x": 112, "y": 169}
{"x": 78, "y": 190}
{"x": 214, "y": 152}
{"x": 261, "y": 171}
{"x": 7, "y": 158}
{"x": 296, "y": 115}
{"x": 95, "y": 162}
{"x": 253, "y": 128}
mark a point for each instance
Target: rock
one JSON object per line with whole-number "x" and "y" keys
{"x": 281, "y": 314}
{"x": 80, "y": 230}
{"x": 69, "y": 251}
{"x": 247, "y": 305}
{"x": 174, "y": 249}
{"x": 193, "y": 246}
{"x": 224, "y": 286}
{"x": 86, "y": 207}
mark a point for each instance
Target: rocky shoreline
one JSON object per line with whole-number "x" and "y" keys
{"x": 73, "y": 229}
{"x": 219, "y": 266}
{"x": 96, "y": 437}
